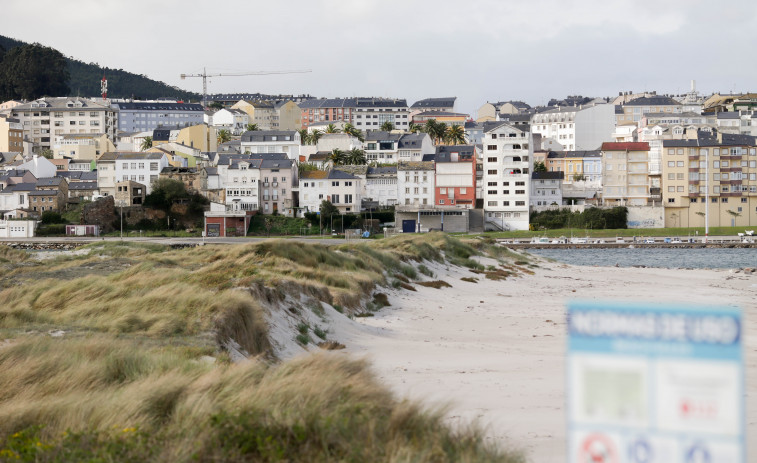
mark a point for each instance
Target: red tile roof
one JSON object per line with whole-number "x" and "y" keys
{"x": 623, "y": 146}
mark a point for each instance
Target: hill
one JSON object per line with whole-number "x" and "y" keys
{"x": 85, "y": 80}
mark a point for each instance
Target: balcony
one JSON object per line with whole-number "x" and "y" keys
{"x": 266, "y": 184}
{"x": 275, "y": 184}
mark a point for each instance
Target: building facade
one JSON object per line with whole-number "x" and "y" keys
{"x": 625, "y": 173}
{"x": 140, "y": 116}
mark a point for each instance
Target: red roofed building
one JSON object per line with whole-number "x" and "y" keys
{"x": 625, "y": 173}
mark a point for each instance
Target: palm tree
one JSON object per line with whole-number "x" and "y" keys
{"x": 353, "y": 131}
{"x": 252, "y": 127}
{"x": 436, "y": 130}
{"x": 304, "y": 136}
{"x": 314, "y": 136}
{"x": 146, "y": 144}
{"x": 455, "y": 135}
{"x": 331, "y": 128}
{"x": 414, "y": 128}
{"x": 387, "y": 126}
{"x": 539, "y": 167}
{"x": 223, "y": 136}
{"x": 356, "y": 157}
{"x": 338, "y": 157}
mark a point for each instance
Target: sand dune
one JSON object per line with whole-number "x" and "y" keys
{"x": 494, "y": 350}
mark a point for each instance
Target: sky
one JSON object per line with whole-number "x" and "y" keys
{"x": 476, "y": 50}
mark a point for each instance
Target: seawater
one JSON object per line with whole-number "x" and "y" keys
{"x": 654, "y": 257}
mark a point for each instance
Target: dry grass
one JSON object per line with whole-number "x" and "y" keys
{"x": 133, "y": 378}
{"x": 438, "y": 284}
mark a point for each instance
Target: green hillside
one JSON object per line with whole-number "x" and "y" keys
{"x": 85, "y": 80}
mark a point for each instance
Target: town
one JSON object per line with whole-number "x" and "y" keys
{"x": 686, "y": 160}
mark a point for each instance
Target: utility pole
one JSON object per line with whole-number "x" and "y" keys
{"x": 205, "y": 76}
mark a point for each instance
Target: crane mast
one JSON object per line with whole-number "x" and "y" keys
{"x": 205, "y": 76}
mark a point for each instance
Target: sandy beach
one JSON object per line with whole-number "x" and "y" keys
{"x": 494, "y": 351}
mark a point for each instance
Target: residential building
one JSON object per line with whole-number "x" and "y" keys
{"x": 46, "y": 118}
{"x": 366, "y": 114}
{"x": 144, "y": 168}
{"x": 16, "y": 176}
{"x": 288, "y": 115}
{"x": 546, "y": 189}
{"x": 416, "y": 183}
{"x": 229, "y": 99}
{"x": 272, "y": 141}
{"x": 447, "y": 118}
{"x": 106, "y": 173}
{"x": 381, "y": 185}
{"x": 259, "y": 112}
{"x": 83, "y": 146}
{"x": 455, "y": 182}
{"x": 278, "y": 178}
{"x": 11, "y": 135}
{"x": 575, "y": 127}
{"x": 625, "y": 173}
{"x": 40, "y": 166}
{"x": 141, "y": 116}
{"x": 446, "y": 104}
{"x": 474, "y": 132}
{"x": 635, "y": 109}
{"x": 47, "y": 200}
{"x": 489, "y": 112}
{"x": 85, "y": 190}
{"x": 507, "y": 166}
{"x": 239, "y": 177}
{"x": 17, "y": 228}
{"x": 129, "y": 193}
{"x": 340, "y": 188}
{"x": 186, "y": 175}
{"x": 723, "y": 163}
{"x": 233, "y": 120}
{"x": 382, "y": 147}
{"x": 16, "y": 196}
{"x": 411, "y": 147}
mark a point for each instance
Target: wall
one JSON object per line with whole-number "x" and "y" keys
{"x": 646, "y": 217}
{"x": 452, "y": 223}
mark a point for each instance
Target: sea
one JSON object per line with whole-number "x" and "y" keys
{"x": 722, "y": 258}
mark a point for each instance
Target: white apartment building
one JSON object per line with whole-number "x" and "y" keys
{"x": 240, "y": 179}
{"x": 382, "y": 146}
{"x": 546, "y": 189}
{"x": 508, "y": 159}
{"x": 625, "y": 174}
{"x": 272, "y": 141}
{"x": 576, "y": 127}
{"x": 412, "y": 146}
{"x": 233, "y": 120}
{"x": 381, "y": 185}
{"x": 415, "y": 183}
{"x": 46, "y": 118}
{"x": 143, "y": 168}
{"x": 340, "y": 188}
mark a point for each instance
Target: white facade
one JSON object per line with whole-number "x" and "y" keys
{"x": 381, "y": 185}
{"x": 508, "y": 158}
{"x": 17, "y": 228}
{"x": 546, "y": 189}
{"x": 140, "y": 167}
{"x": 415, "y": 184}
{"x": 343, "y": 190}
{"x": 287, "y": 142}
{"x": 234, "y": 120}
{"x": 40, "y": 167}
{"x": 576, "y": 128}
{"x": 313, "y": 191}
{"x": 241, "y": 180}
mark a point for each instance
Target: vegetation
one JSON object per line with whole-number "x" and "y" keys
{"x": 223, "y": 136}
{"x": 455, "y": 135}
{"x": 353, "y": 131}
{"x": 591, "y": 218}
{"x": 32, "y": 71}
{"x": 539, "y": 166}
{"x": 387, "y": 126}
{"x": 146, "y": 144}
{"x": 166, "y": 193}
{"x": 331, "y": 128}
{"x": 253, "y": 127}
{"x": 84, "y": 78}
{"x": 137, "y": 363}
{"x": 279, "y": 225}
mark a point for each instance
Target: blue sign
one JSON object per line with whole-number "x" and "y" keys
{"x": 651, "y": 383}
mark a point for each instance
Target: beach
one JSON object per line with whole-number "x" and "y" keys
{"x": 493, "y": 352}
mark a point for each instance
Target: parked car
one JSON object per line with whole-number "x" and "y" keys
{"x": 649, "y": 241}
{"x": 667, "y": 240}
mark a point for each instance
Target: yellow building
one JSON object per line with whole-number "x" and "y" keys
{"x": 85, "y": 146}
{"x": 720, "y": 166}
{"x": 288, "y": 116}
{"x": 625, "y": 173}
{"x": 11, "y": 135}
{"x": 199, "y": 136}
{"x": 441, "y": 116}
{"x": 261, "y": 113}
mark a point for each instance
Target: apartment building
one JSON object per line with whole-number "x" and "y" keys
{"x": 272, "y": 141}
{"x": 625, "y": 173}
{"x": 366, "y": 114}
{"x": 507, "y": 163}
{"x": 714, "y": 165}
{"x": 82, "y": 146}
{"x": 446, "y": 104}
{"x": 455, "y": 182}
{"x": 340, "y": 188}
{"x": 11, "y": 135}
{"x": 233, "y": 120}
{"x": 278, "y": 178}
{"x": 140, "y": 116}
{"x": 261, "y": 112}
{"x": 444, "y": 117}
{"x": 381, "y": 185}
{"x": 144, "y": 168}
{"x": 546, "y": 189}
{"x": 575, "y": 128}
{"x": 635, "y": 109}
{"x": 416, "y": 183}
{"x": 46, "y": 118}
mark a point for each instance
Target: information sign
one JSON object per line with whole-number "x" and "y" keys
{"x": 648, "y": 384}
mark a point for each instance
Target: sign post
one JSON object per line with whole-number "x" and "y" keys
{"x": 649, "y": 383}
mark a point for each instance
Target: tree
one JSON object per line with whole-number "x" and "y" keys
{"x": 353, "y": 131}
{"x": 331, "y": 128}
{"x": 356, "y": 157}
{"x": 455, "y": 135}
{"x": 306, "y": 167}
{"x": 32, "y": 71}
{"x": 46, "y": 153}
{"x": 327, "y": 209}
{"x": 252, "y": 127}
{"x": 146, "y": 144}
{"x": 216, "y": 105}
{"x": 436, "y": 130}
{"x": 387, "y": 126}
{"x": 414, "y": 128}
{"x": 338, "y": 157}
{"x": 164, "y": 192}
{"x": 304, "y": 136}
{"x": 223, "y": 136}
{"x": 539, "y": 166}
{"x": 314, "y": 136}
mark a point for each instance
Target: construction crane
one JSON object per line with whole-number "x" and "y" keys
{"x": 205, "y": 76}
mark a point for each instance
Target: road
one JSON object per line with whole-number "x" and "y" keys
{"x": 165, "y": 240}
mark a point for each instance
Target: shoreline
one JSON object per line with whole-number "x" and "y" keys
{"x": 494, "y": 351}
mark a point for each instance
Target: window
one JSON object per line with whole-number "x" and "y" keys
{"x": 492, "y": 148}
{"x": 491, "y": 159}
{"x": 723, "y": 200}
{"x": 520, "y": 203}
{"x": 679, "y": 164}
{"x": 492, "y": 172}
{"x": 441, "y": 201}
{"x": 670, "y": 164}
{"x": 671, "y": 176}
{"x": 671, "y": 189}
{"x": 442, "y": 191}
{"x": 671, "y": 200}
{"x": 153, "y": 166}
{"x": 491, "y": 203}
{"x": 491, "y": 192}
{"x": 491, "y": 184}
{"x": 520, "y": 192}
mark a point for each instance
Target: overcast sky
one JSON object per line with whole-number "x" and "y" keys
{"x": 477, "y": 50}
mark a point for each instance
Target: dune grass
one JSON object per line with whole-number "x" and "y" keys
{"x": 141, "y": 372}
